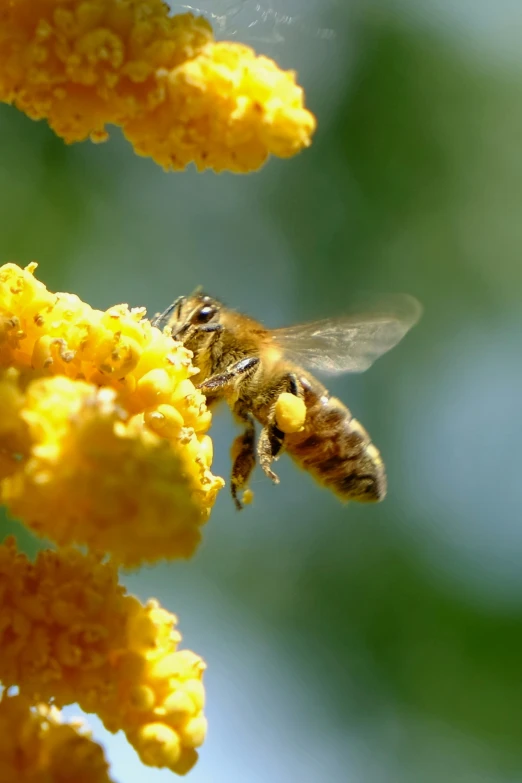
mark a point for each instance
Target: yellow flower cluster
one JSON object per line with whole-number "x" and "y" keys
{"x": 102, "y": 433}
{"x": 36, "y": 747}
{"x": 179, "y": 96}
{"x": 69, "y": 633}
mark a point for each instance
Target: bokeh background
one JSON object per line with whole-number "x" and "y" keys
{"x": 379, "y": 644}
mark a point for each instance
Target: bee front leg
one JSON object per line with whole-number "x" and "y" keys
{"x": 243, "y": 450}
{"x": 243, "y": 455}
{"x": 222, "y": 382}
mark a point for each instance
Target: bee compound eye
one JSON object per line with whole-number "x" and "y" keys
{"x": 205, "y": 314}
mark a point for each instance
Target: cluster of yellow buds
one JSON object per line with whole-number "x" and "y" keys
{"x": 103, "y": 444}
{"x": 178, "y": 95}
{"x": 82, "y": 391}
{"x": 69, "y": 634}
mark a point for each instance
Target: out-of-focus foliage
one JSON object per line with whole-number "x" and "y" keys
{"x": 343, "y": 644}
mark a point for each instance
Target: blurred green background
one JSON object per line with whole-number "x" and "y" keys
{"x": 379, "y": 644}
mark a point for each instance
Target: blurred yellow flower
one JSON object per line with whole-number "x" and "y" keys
{"x": 179, "y": 96}
{"x": 37, "y": 747}
{"x": 69, "y": 633}
{"x": 102, "y": 433}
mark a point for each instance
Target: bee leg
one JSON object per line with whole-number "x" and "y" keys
{"x": 220, "y": 382}
{"x": 271, "y": 440}
{"x": 269, "y": 445}
{"x": 243, "y": 454}
{"x": 293, "y": 385}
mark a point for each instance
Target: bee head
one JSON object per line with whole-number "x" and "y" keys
{"x": 198, "y": 309}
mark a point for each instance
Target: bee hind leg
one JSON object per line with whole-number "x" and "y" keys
{"x": 271, "y": 441}
{"x": 243, "y": 455}
{"x": 269, "y": 446}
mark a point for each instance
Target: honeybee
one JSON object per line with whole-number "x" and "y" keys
{"x": 250, "y": 367}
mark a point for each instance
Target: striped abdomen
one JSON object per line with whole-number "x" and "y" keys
{"x": 336, "y": 449}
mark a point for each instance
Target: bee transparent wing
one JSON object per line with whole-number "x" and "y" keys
{"x": 350, "y": 343}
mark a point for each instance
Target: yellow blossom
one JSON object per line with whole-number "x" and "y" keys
{"x": 102, "y": 433}
{"x": 37, "y": 747}
{"x": 178, "y": 95}
{"x": 70, "y": 633}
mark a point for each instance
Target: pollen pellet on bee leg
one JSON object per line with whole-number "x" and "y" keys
{"x": 248, "y": 497}
{"x": 290, "y": 413}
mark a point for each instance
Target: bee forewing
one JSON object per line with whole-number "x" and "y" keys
{"x": 352, "y": 342}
